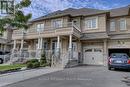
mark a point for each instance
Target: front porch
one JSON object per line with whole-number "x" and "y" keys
{"x": 61, "y": 50}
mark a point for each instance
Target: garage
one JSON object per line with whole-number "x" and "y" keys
{"x": 119, "y": 46}
{"x": 93, "y": 55}
{"x": 119, "y": 50}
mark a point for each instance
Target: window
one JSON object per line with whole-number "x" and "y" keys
{"x": 40, "y": 27}
{"x": 112, "y": 26}
{"x": 91, "y": 23}
{"x": 88, "y": 50}
{"x": 74, "y": 46}
{"x": 5, "y": 34}
{"x": 97, "y": 50}
{"x": 5, "y": 5}
{"x": 57, "y": 23}
{"x": 122, "y": 24}
{"x": 1, "y": 53}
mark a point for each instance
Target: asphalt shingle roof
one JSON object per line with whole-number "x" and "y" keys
{"x": 86, "y": 12}
{"x": 120, "y": 11}
{"x": 72, "y": 12}
{"x": 98, "y": 35}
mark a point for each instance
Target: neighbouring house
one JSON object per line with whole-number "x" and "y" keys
{"x": 72, "y": 36}
{"x": 6, "y": 41}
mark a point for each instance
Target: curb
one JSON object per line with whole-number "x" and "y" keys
{"x": 27, "y": 70}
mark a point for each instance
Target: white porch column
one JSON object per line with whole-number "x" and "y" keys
{"x": 14, "y": 46}
{"x": 70, "y": 47}
{"x": 5, "y": 47}
{"x": 105, "y": 53}
{"x": 22, "y": 42}
{"x": 58, "y": 42}
{"x": 70, "y": 42}
{"x": 58, "y": 46}
{"x": 41, "y": 43}
{"x": 38, "y": 47}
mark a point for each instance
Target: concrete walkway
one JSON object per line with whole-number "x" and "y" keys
{"x": 6, "y": 79}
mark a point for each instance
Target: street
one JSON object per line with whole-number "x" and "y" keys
{"x": 81, "y": 76}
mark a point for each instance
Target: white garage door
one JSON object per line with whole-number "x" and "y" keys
{"x": 93, "y": 55}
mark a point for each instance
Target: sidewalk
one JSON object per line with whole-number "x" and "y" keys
{"x": 10, "y": 78}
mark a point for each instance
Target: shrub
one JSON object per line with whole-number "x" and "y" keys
{"x": 34, "y": 63}
{"x": 29, "y": 65}
{"x": 43, "y": 59}
{"x": 44, "y": 65}
{"x": 33, "y": 60}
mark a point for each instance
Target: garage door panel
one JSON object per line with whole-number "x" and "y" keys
{"x": 88, "y": 59}
{"x": 93, "y": 55}
{"x": 87, "y": 55}
{"x": 98, "y": 53}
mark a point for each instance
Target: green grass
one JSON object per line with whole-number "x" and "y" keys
{"x": 13, "y": 66}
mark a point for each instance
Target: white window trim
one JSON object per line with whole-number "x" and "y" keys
{"x": 125, "y": 24}
{"x": 40, "y": 27}
{"x": 52, "y": 22}
{"x": 111, "y": 30}
{"x": 90, "y": 19}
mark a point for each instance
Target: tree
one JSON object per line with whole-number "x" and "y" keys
{"x": 18, "y": 19}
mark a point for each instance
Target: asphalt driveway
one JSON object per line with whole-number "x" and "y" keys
{"x": 82, "y": 76}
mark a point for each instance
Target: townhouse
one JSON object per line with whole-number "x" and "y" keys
{"x": 73, "y": 36}
{"x": 5, "y": 41}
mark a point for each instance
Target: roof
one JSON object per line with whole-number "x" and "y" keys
{"x": 92, "y": 36}
{"x": 72, "y": 12}
{"x": 85, "y": 12}
{"x": 120, "y": 36}
{"x": 120, "y": 11}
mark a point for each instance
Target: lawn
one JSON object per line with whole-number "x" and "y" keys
{"x": 14, "y": 66}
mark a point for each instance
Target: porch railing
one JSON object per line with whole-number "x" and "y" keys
{"x": 48, "y": 29}
{"x": 19, "y": 56}
{"x": 22, "y": 57}
{"x": 65, "y": 59}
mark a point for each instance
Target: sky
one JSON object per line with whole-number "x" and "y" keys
{"x": 42, "y": 7}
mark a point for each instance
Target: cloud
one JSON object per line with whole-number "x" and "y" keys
{"x": 54, "y": 5}
{"x": 43, "y": 7}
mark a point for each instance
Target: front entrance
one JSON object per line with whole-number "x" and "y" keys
{"x": 54, "y": 46}
{"x": 93, "y": 55}
{"x": 75, "y": 51}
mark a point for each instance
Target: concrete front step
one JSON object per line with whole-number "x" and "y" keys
{"x": 72, "y": 63}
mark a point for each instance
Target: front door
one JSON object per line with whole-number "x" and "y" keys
{"x": 54, "y": 46}
{"x": 75, "y": 50}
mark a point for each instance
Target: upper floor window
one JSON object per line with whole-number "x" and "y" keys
{"x": 92, "y": 23}
{"x": 112, "y": 26}
{"x": 40, "y": 27}
{"x": 57, "y": 23}
{"x": 122, "y": 24}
